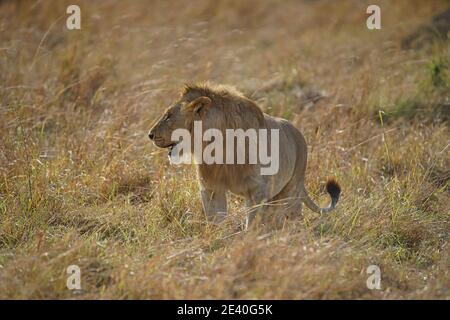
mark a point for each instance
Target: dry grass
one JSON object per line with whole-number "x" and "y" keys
{"x": 81, "y": 184}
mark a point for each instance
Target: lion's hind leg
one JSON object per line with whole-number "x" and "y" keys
{"x": 256, "y": 207}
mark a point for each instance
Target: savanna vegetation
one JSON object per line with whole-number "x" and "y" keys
{"x": 81, "y": 184}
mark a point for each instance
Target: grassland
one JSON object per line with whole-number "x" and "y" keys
{"x": 80, "y": 183}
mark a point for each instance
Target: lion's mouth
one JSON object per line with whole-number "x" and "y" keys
{"x": 160, "y": 143}
{"x": 170, "y": 146}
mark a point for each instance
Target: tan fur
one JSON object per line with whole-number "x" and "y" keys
{"x": 224, "y": 107}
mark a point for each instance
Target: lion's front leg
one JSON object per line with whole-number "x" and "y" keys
{"x": 214, "y": 204}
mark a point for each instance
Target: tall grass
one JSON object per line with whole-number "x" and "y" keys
{"x": 81, "y": 184}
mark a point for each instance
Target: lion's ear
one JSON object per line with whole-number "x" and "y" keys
{"x": 199, "y": 106}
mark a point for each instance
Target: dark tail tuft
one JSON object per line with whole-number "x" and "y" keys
{"x": 334, "y": 189}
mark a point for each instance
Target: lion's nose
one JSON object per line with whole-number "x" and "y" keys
{"x": 151, "y": 135}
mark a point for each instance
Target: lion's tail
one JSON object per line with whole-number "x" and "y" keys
{"x": 334, "y": 191}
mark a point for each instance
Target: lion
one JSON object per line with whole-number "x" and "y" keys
{"x": 224, "y": 107}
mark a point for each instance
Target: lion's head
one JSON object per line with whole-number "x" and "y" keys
{"x": 180, "y": 115}
{"x": 217, "y": 106}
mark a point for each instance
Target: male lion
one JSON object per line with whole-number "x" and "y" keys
{"x": 223, "y": 107}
